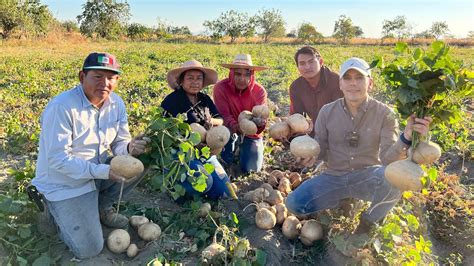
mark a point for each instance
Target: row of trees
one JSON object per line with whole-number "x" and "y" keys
{"x": 109, "y": 19}
{"x": 400, "y": 28}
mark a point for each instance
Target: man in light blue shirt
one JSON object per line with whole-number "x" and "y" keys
{"x": 80, "y": 130}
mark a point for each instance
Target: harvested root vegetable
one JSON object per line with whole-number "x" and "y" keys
{"x": 249, "y": 195}
{"x": 149, "y": 231}
{"x": 216, "y": 151}
{"x": 285, "y": 186}
{"x": 248, "y": 127}
{"x": 118, "y": 241}
{"x": 213, "y": 254}
{"x": 264, "y": 205}
{"x": 217, "y": 137}
{"x": 304, "y": 147}
{"x": 261, "y": 111}
{"x": 310, "y": 232}
{"x": 277, "y": 174}
{"x": 404, "y": 175}
{"x": 260, "y": 194}
{"x": 126, "y": 166}
{"x": 272, "y": 181}
{"x": 279, "y": 131}
{"x": 275, "y": 197}
{"x": 298, "y": 123}
{"x": 195, "y": 127}
{"x": 265, "y": 219}
{"x": 245, "y": 115}
{"x": 291, "y": 227}
{"x": 132, "y": 250}
{"x": 295, "y": 180}
{"x": 281, "y": 213}
{"x": 426, "y": 153}
{"x": 204, "y": 210}
{"x": 137, "y": 220}
{"x": 267, "y": 187}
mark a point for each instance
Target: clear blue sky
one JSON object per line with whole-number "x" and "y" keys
{"x": 368, "y": 14}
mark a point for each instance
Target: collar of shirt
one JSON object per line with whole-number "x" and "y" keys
{"x": 363, "y": 107}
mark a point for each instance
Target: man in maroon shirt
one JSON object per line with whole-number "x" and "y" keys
{"x": 316, "y": 86}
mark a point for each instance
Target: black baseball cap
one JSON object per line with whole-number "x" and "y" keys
{"x": 104, "y": 61}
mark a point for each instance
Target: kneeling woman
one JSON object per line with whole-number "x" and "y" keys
{"x": 187, "y": 81}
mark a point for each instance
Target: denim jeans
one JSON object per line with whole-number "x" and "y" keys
{"x": 216, "y": 181}
{"x": 78, "y": 218}
{"x": 326, "y": 192}
{"x": 250, "y": 155}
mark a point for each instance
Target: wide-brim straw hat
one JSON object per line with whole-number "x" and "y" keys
{"x": 210, "y": 75}
{"x": 244, "y": 61}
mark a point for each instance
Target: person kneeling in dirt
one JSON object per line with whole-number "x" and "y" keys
{"x": 237, "y": 93}
{"x": 357, "y": 135}
{"x": 316, "y": 86}
{"x": 79, "y": 128}
{"x": 187, "y": 81}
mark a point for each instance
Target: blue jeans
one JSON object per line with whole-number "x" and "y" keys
{"x": 216, "y": 181}
{"x": 250, "y": 155}
{"x": 326, "y": 191}
{"x": 78, "y": 218}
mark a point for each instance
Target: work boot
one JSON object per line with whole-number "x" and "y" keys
{"x": 109, "y": 217}
{"x": 358, "y": 239}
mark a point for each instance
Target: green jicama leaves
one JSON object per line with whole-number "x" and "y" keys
{"x": 172, "y": 147}
{"x": 428, "y": 83}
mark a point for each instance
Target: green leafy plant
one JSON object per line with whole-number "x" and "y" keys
{"x": 428, "y": 83}
{"x": 172, "y": 148}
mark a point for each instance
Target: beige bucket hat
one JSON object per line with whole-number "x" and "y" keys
{"x": 244, "y": 61}
{"x": 210, "y": 75}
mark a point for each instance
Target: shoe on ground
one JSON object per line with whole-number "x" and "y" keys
{"x": 111, "y": 218}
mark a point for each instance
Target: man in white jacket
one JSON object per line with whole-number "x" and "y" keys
{"x": 80, "y": 129}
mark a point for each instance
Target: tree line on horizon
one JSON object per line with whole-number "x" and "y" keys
{"x": 109, "y": 19}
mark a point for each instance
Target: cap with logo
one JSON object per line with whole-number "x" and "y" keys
{"x": 356, "y": 64}
{"x": 101, "y": 61}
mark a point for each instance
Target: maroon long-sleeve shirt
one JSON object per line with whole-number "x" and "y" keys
{"x": 230, "y": 102}
{"x": 309, "y": 100}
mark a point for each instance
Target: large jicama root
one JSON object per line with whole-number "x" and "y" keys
{"x": 426, "y": 153}
{"x": 265, "y": 219}
{"x": 149, "y": 231}
{"x": 248, "y": 127}
{"x": 304, "y": 147}
{"x": 298, "y": 123}
{"x": 245, "y": 115}
{"x": 404, "y": 175}
{"x": 281, "y": 213}
{"x": 214, "y": 253}
{"x": 284, "y": 186}
{"x": 261, "y": 111}
{"x": 136, "y": 221}
{"x": 132, "y": 250}
{"x": 126, "y": 166}
{"x": 291, "y": 227}
{"x": 195, "y": 127}
{"x": 310, "y": 232}
{"x": 279, "y": 131}
{"x": 118, "y": 241}
{"x": 217, "y": 137}
{"x": 204, "y": 210}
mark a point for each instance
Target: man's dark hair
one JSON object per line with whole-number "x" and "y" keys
{"x": 307, "y": 50}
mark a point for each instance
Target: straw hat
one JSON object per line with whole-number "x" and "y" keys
{"x": 244, "y": 61}
{"x": 210, "y": 75}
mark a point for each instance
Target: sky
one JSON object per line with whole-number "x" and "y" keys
{"x": 368, "y": 14}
